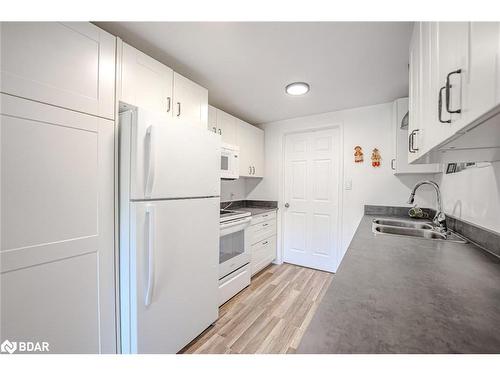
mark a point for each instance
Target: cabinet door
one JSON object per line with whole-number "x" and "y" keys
{"x": 70, "y": 65}
{"x": 414, "y": 119}
{"x": 212, "y": 119}
{"x": 57, "y": 228}
{"x": 227, "y": 126}
{"x": 399, "y": 163}
{"x": 452, "y": 50}
{"x": 483, "y": 91}
{"x": 251, "y": 143}
{"x": 146, "y": 83}
{"x": 190, "y": 102}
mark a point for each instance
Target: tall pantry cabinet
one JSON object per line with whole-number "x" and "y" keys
{"x": 57, "y": 186}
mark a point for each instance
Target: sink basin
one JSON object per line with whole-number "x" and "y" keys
{"x": 403, "y": 223}
{"x": 407, "y": 228}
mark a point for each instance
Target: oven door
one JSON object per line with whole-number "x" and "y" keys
{"x": 233, "y": 249}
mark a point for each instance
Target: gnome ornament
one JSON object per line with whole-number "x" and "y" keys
{"x": 358, "y": 154}
{"x": 376, "y": 158}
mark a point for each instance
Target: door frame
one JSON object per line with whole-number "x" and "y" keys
{"x": 281, "y": 192}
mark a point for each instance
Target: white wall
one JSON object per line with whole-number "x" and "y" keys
{"x": 473, "y": 195}
{"x": 235, "y": 190}
{"x": 368, "y": 127}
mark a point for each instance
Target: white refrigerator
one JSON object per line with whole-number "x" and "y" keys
{"x": 169, "y": 232}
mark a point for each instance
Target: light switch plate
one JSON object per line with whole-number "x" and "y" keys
{"x": 348, "y": 184}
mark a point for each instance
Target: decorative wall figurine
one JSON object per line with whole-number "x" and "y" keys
{"x": 376, "y": 158}
{"x": 358, "y": 154}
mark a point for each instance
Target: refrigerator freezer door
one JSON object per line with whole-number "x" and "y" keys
{"x": 172, "y": 274}
{"x": 167, "y": 159}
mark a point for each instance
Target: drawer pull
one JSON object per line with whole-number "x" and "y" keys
{"x": 265, "y": 242}
{"x": 265, "y": 225}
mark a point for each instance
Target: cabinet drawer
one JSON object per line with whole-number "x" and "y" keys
{"x": 260, "y": 232}
{"x": 233, "y": 283}
{"x": 263, "y": 217}
{"x": 263, "y": 253}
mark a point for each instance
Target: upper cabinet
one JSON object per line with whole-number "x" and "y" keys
{"x": 251, "y": 143}
{"x": 71, "y": 65}
{"x": 223, "y": 124}
{"x": 399, "y": 161}
{"x": 190, "y": 102}
{"x": 149, "y": 84}
{"x": 249, "y": 139}
{"x": 454, "y": 92}
{"x": 146, "y": 83}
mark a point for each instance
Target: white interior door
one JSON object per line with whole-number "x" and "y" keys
{"x": 312, "y": 182}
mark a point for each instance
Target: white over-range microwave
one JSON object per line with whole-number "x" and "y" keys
{"x": 229, "y": 162}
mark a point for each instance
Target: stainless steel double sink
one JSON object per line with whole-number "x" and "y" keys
{"x": 416, "y": 229}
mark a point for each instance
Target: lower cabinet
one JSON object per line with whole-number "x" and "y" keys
{"x": 262, "y": 238}
{"x": 57, "y": 228}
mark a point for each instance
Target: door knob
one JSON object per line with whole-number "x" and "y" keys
{"x": 287, "y": 205}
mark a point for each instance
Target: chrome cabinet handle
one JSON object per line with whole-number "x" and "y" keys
{"x": 249, "y": 170}
{"x": 411, "y": 141}
{"x": 392, "y": 164}
{"x": 178, "y": 109}
{"x": 287, "y": 205}
{"x": 265, "y": 224}
{"x": 220, "y": 131}
{"x": 253, "y": 169}
{"x": 440, "y": 106}
{"x": 215, "y": 130}
{"x": 448, "y": 87}
{"x": 265, "y": 242}
{"x": 169, "y": 104}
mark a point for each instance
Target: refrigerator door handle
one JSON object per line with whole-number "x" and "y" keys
{"x": 150, "y": 175}
{"x": 150, "y": 255}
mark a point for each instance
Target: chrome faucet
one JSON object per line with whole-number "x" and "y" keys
{"x": 440, "y": 218}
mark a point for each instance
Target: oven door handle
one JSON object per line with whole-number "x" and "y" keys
{"x": 234, "y": 226}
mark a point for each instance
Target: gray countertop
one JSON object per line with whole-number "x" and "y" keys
{"x": 256, "y": 210}
{"x": 407, "y": 295}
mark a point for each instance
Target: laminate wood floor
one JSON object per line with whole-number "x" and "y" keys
{"x": 269, "y": 316}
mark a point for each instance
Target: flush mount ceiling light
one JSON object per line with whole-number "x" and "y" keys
{"x": 297, "y": 88}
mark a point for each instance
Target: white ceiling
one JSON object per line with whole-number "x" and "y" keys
{"x": 245, "y": 66}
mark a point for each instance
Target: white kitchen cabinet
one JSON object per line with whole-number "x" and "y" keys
{"x": 70, "y": 65}
{"x": 483, "y": 88}
{"x": 414, "y": 105}
{"x": 450, "y": 41}
{"x": 57, "y": 227}
{"x": 149, "y": 84}
{"x": 190, "y": 102}
{"x": 454, "y": 92}
{"x": 212, "y": 119}
{"x": 223, "y": 124}
{"x": 145, "y": 82}
{"x": 262, "y": 240}
{"x": 251, "y": 143}
{"x": 399, "y": 161}
{"x": 227, "y": 127}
